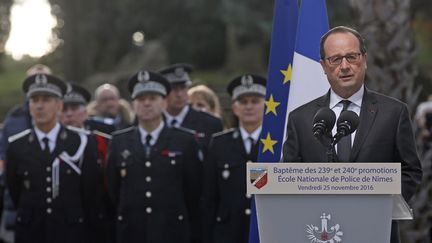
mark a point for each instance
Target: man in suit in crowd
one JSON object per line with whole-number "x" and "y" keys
{"x": 180, "y": 113}
{"x": 51, "y": 171}
{"x": 153, "y": 170}
{"x": 384, "y": 133}
{"x": 225, "y": 203}
{"x": 74, "y": 115}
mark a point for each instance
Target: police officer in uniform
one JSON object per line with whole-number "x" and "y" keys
{"x": 152, "y": 170}
{"x": 225, "y": 203}
{"x": 51, "y": 171}
{"x": 74, "y": 116}
{"x": 180, "y": 113}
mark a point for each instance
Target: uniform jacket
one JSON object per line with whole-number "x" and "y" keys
{"x": 69, "y": 217}
{"x": 156, "y": 197}
{"x": 225, "y": 203}
{"x": 204, "y": 124}
{"x": 384, "y": 134}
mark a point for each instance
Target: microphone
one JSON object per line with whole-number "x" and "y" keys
{"x": 346, "y": 124}
{"x": 323, "y": 122}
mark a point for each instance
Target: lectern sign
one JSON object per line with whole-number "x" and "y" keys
{"x": 324, "y": 178}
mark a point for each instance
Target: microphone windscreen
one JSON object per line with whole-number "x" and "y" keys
{"x": 325, "y": 115}
{"x": 351, "y": 118}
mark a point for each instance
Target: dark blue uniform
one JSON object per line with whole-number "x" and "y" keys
{"x": 41, "y": 217}
{"x": 225, "y": 203}
{"x": 156, "y": 197}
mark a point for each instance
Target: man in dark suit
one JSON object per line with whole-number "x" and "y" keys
{"x": 51, "y": 172}
{"x": 180, "y": 113}
{"x": 153, "y": 170}
{"x": 225, "y": 203}
{"x": 384, "y": 133}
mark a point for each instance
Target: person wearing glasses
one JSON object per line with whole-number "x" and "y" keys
{"x": 384, "y": 133}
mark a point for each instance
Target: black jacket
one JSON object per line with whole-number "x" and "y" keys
{"x": 156, "y": 198}
{"x": 41, "y": 218}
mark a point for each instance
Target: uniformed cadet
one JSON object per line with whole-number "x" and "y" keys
{"x": 180, "y": 113}
{"x": 153, "y": 170}
{"x": 74, "y": 115}
{"x": 51, "y": 171}
{"x": 226, "y": 207}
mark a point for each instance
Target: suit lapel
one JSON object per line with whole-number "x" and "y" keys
{"x": 368, "y": 112}
{"x": 188, "y": 121}
{"x": 60, "y": 144}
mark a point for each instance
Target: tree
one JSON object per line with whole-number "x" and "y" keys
{"x": 5, "y": 6}
{"x": 392, "y": 68}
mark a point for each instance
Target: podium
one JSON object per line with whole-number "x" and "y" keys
{"x": 326, "y": 202}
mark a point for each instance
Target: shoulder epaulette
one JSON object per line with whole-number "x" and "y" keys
{"x": 187, "y": 130}
{"x": 123, "y": 131}
{"x": 18, "y": 135}
{"x": 218, "y": 134}
{"x": 102, "y": 134}
{"x": 78, "y": 130}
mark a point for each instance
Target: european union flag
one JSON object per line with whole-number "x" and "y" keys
{"x": 278, "y": 84}
{"x": 294, "y": 74}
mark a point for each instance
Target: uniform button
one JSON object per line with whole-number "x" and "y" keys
{"x": 226, "y": 166}
{"x": 48, "y": 189}
{"x": 49, "y": 210}
{"x": 48, "y": 169}
{"x": 80, "y": 220}
{"x": 173, "y": 162}
{"x": 148, "y": 164}
{"x": 48, "y": 179}
{"x": 247, "y": 211}
{"x": 48, "y": 200}
{"x": 148, "y": 179}
{"x": 180, "y": 217}
{"x": 123, "y": 164}
{"x": 120, "y": 218}
{"x": 149, "y": 210}
{"x": 148, "y": 194}
{"x": 218, "y": 219}
{"x": 26, "y": 173}
{"x": 248, "y": 196}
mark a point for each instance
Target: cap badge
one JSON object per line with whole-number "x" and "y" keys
{"x": 41, "y": 79}
{"x": 143, "y": 76}
{"x": 247, "y": 80}
{"x": 179, "y": 71}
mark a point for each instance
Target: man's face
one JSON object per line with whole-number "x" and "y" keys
{"x": 45, "y": 109}
{"x": 249, "y": 109}
{"x": 177, "y": 98}
{"x": 345, "y": 78}
{"x": 108, "y": 103}
{"x": 73, "y": 115}
{"x": 149, "y": 107}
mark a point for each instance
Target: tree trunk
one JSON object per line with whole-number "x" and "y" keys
{"x": 385, "y": 25}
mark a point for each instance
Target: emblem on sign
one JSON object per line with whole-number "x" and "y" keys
{"x": 258, "y": 177}
{"x": 324, "y": 235}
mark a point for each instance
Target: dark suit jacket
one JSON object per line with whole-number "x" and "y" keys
{"x": 384, "y": 134}
{"x": 156, "y": 198}
{"x": 204, "y": 124}
{"x": 40, "y": 217}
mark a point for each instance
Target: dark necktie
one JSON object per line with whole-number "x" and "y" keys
{"x": 46, "y": 149}
{"x": 253, "y": 152}
{"x": 147, "y": 145}
{"x": 173, "y": 122}
{"x": 344, "y": 145}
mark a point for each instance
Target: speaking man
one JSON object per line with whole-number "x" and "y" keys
{"x": 384, "y": 133}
